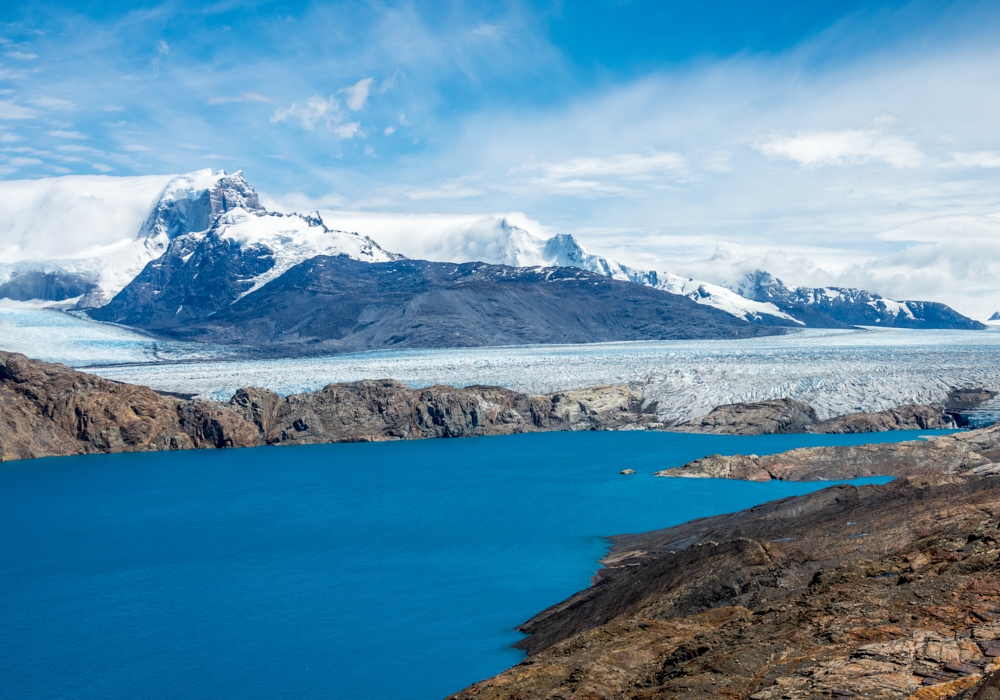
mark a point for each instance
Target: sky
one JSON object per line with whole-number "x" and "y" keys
{"x": 850, "y": 143}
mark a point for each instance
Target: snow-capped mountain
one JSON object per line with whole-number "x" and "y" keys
{"x": 512, "y": 245}
{"x": 94, "y": 275}
{"x": 203, "y": 272}
{"x": 206, "y": 225}
{"x": 833, "y": 307}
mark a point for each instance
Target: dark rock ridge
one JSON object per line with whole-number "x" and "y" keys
{"x": 840, "y": 307}
{"x": 779, "y": 416}
{"x": 874, "y": 592}
{"x": 336, "y": 304}
{"x": 975, "y": 452}
{"x": 57, "y": 285}
{"x": 50, "y": 410}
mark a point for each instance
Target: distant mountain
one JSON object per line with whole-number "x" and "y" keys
{"x": 840, "y": 307}
{"x": 995, "y": 316}
{"x": 216, "y": 220}
{"x": 512, "y": 245}
{"x": 339, "y": 303}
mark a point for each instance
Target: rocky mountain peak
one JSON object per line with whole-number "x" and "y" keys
{"x": 194, "y": 201}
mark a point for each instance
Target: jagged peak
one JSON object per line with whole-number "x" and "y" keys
{"x": 193, "y": 201}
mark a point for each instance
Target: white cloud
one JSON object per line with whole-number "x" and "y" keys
{"x": 459, "y": 188}
{"x": 617, "y": 173}
{"x": 845, "y": 147}
{"x": 63, "y": 134}
{"x": 242, "y": 97}
{"x": 162, "y": 47}
{"x": 316, "y": 109}
{"x": 978, "y": 159}
{"x": 22, "y": 55}
{"x": 35, "y": 215}
{"x": 21, "y": 161}
{"x": 11, "y": 110}
{"x": 101, "y": 167}
{"x": 357, "y": 94}
{"x": 52, "y": 102}
{"x": 627, "y": 165}
{"x": 389, "y": 130}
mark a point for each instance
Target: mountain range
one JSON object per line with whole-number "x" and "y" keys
{"x": 209, "y": 262}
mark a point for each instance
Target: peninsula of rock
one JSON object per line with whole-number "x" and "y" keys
{"x": 889, "y": 591}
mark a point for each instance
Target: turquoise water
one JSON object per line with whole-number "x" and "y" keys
{"x": 363, "y": 571}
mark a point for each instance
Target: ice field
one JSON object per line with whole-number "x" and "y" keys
{"x": 837, "y": 371}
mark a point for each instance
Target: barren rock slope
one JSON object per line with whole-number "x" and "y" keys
{"x": 875, "y": 592}
{"x": 48, "y": 409}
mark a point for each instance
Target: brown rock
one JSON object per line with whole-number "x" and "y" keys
{"x": 760, "y": 418}
{"x": 795, "y": 599}
{"x": 910, "y": 417}
{"x": 975, "y": 452}
{"x": 48, "y": 409}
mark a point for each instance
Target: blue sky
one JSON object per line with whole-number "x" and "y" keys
{"x": 837, "y": 142}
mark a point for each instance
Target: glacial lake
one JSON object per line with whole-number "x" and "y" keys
{"x": 356, "y": 571}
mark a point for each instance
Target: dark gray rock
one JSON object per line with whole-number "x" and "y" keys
{"x": 40, "y": 284}
{"x": 337, "y": 304}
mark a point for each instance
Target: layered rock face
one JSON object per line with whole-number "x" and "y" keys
{"x": 779, "y": 416}
{"x": 386, "y": 410}
{"x": 49, "y": 410}
{"x": 975, "y": 452}
{"x": 875, "y": 592}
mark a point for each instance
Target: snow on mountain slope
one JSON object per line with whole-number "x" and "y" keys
{"x": 291, "y": 239}
{"x": 73, "y": 216}
{"x": 71, "y": 255}
{"x": 190, "y": 202}
{"x": 840, "y": 306}
{"x": 202, "y": 273}
{"x": 721, "y": 298}
{"x": 498, "y": 242}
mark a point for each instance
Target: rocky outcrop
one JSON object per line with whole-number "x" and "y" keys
{"x": 759, "y": 418}
{"x": 910, "y": 417}
{"x": 874, "y": 592}
{"x": 974, "y": 452}
{"x": 778, "y": 416}
{"x": 390, "y": 410}
{"x": 48, "y": 410}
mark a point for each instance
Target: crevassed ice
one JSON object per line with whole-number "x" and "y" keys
{"x": 837, "y": 371}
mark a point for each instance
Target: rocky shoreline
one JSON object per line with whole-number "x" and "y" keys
{"x": 885, "y": 591}
{"x": 51, "y": 410}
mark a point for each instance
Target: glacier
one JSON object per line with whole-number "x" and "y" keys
{"x": 838, "y": 371}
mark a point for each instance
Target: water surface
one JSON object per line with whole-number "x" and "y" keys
{"x": 362, "y": 571}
